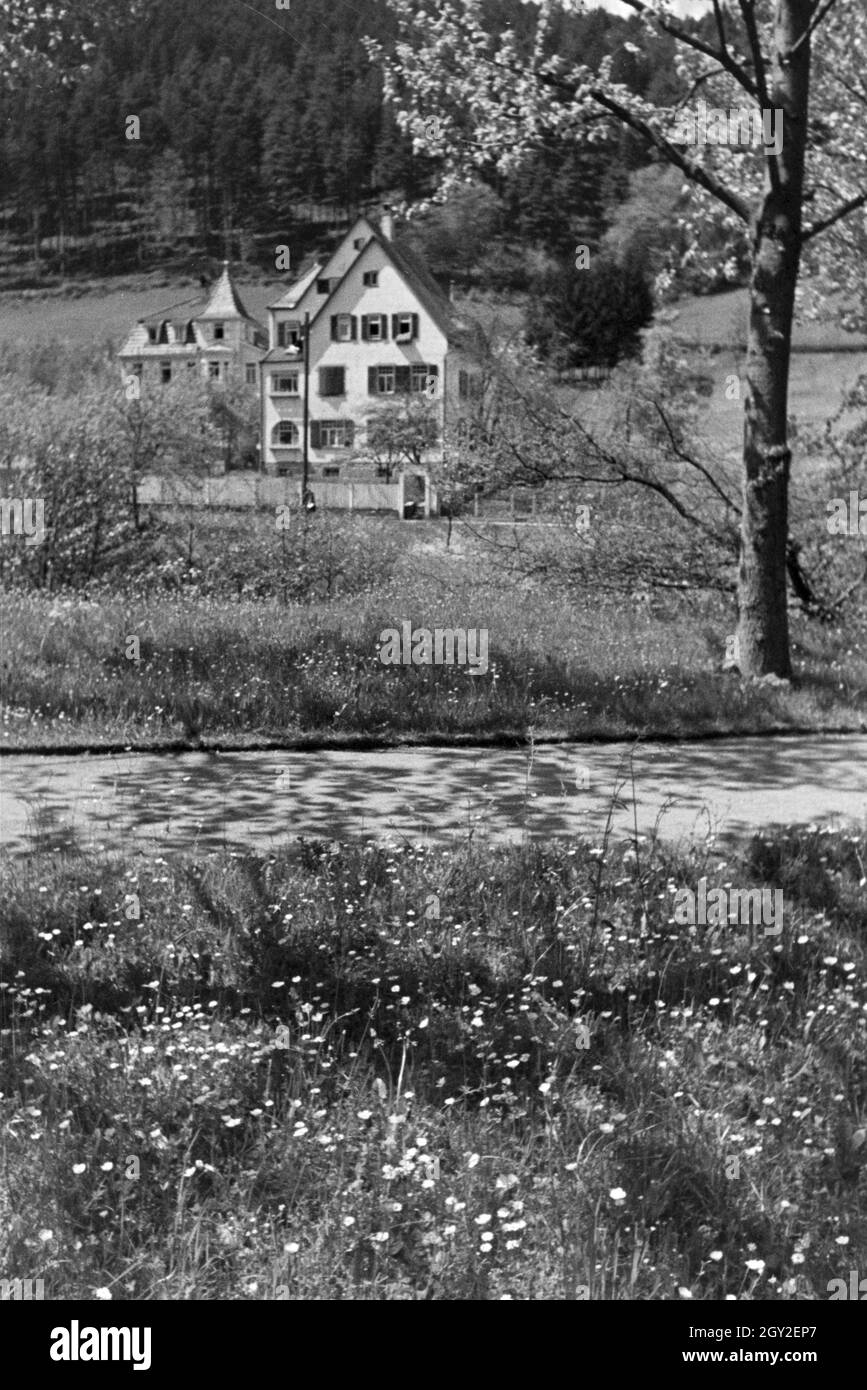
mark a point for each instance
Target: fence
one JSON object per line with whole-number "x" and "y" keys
{"x": 253, "y": 490}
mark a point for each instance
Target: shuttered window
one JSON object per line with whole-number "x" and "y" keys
{"x": 374, "y": 328}
{"x": 344, "y": 328}
{"x": 332, "y": 381}
{"x": 404, "y": 327}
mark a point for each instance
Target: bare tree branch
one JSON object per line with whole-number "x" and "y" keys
{"x": 843, "y": 211}
{"x": 810, "y": 29}
{"x": 723, "y": 57}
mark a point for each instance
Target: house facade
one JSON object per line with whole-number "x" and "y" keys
{"x": 214, "y": 336}
{"x": 385, "y": 372}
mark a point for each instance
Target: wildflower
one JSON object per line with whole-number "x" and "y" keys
{"x": 715, "y": 1255}
{"x": 104, "y": 1295}
{"x": 292, "y": 1248}
{"x": 617, "y": 1194}
{"x": 45, "y": 1234}
{"x": 106, "y": 1167}
{"x": 472, "y": 1160}
{"x": 79, "y": 1168}
{"x": 841, "y": 1240}
{"x": 684, "y": 1293}
{"x": 483, "y": 1219}
{"x": 756, "y": 1265}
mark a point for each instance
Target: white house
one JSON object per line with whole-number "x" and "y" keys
{"x": 384, "y": 342}
{"x": 214, "y": 335}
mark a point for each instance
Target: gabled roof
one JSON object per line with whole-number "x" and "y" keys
{"x": 418, "y": 280}
{"x": 292, "y": 297}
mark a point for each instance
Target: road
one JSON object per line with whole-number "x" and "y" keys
{"x": 143, "y": 802}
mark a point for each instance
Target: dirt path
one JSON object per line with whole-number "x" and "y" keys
{"x": 204, "y": 800}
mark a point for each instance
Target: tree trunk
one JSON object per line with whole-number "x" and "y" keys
{"x": 763, "y": 624}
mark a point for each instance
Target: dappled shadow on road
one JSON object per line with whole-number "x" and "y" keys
{"x": 206, "y": 801}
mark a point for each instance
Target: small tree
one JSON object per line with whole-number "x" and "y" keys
{"x": 402, "y": 434}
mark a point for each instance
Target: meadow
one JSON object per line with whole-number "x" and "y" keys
{"x": 474, "y": 1073}
{"x": 213, "y": 670}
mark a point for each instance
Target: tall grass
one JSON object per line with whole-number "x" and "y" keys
{"x": 468, "y": 1074}
{"x": 216, "y": 670}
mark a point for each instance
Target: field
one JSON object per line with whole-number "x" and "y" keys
{"x": 470, "y": 1074}
{"x": 212, "y": 669}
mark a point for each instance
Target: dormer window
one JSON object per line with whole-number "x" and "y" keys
{"x": 323, "y": 286}
{"x": 219, "y": 332}
{"x": 371, "y": 279}
{"x": 358, "y": 243}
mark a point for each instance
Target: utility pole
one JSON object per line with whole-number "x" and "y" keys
{"x": 306, "y": 444}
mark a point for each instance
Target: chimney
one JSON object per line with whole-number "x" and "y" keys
{"x": 387, "y": 224}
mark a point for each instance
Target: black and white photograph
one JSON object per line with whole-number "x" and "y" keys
{"x": 433, "y": 669}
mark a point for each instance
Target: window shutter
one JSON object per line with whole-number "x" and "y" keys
{"x": 383, "y": 318}
{"x": 354, "y": 333}
{"x": 364, "y": 333}
{"x": 350, "y": 432}
{"x": 394, "y": 319}
{"x": 402, "y": 378}
{"x": 314, "y": 434}
{"x": 371, "y": 381}
{"x": 415, "y": 325}
{"x": 334, "y": 328}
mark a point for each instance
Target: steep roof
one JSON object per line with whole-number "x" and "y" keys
{"x": 225, "y": 302}
{"x": 292, "y": 297}
{"x": 418, "y": 279}
{"x": 222, "y": 303}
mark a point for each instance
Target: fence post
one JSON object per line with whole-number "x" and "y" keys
{"x": 351, "y": 495}
{"x": 401, "y": 483}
